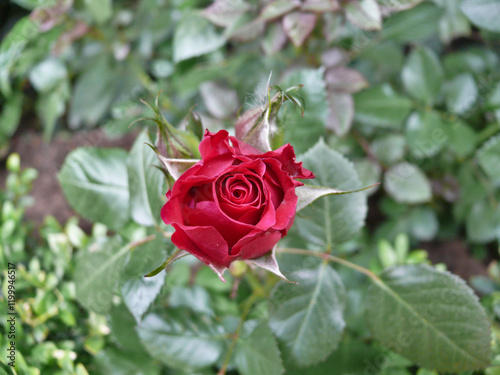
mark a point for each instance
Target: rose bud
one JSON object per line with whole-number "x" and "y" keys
{"x": 236, "y": 202}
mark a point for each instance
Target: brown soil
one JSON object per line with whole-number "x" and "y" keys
{"x": 48, "y": 159}
{"x": 457, "y": 258}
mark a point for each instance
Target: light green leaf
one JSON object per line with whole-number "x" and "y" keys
{"x": 406, "y": 183}
{"x": 425, "y": 133}
{"x": 101, "y": 10}
{"x": 258, "y": 353}
{"x": 308, "y": 315}
{"x": 422, "y": 75}
{"x": 95, "y": 183}
{"x": 331, "y": 220}
{"x": 195, "y": 36}
{"x": 431, "y": 317}
{"x": 365, "y": 14}
{"x": 488, "y": 157}
{"x": 182, "y": 341}
{"x": 461, "y": 94}
{"x": 97, "y": 273}
{"x": 145, "y": 183}
{"x": 47, "y": 74}
{"x": 303, "y": 131}
{"x": 382, "y": 107}
{"x": 482, "y": 13}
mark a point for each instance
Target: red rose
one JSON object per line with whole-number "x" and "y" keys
{"x": 235, "y": 203}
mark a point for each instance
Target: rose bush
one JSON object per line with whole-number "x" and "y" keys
{"x": 236, "y": 202}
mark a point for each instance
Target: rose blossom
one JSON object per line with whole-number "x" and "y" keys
{"x": 236, "y": 202}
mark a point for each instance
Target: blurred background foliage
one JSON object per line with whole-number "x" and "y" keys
{"x": 408, "y": 90}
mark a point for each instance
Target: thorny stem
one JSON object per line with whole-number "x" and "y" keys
{"x": 248, "y": 305}
{"x": 331, "y": 258}
{"x": 257, "y": 293}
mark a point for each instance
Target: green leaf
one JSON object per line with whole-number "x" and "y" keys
{"x": 488, "y": 157}
{"x": 461, "y": 94}
{"x": 123, "y": 329}
{"x": 365, "y": 14}
{"x": 138, "y": 291}
{"x": 406, "y": 183}
{"x": 51, "y": 106}
{"x": 182, "y": 341}
{"x": 195, "y": 36}
{"x": 11, "y": 115}
{"x": 340, "y": 112}
{"x": 399, "y": 4}
{"x": 431, "y": 317}
{"x": 331, "y": 220}
{"x": 425, "y": 133}
{"x": 93, "y": 93}
{"x": 482, "y": 13}
{"x": 101, "y": 10}
{"x": 307, "y": 194}
{"x": 97, "y": 273}
{"x": 194, "y": 298}
{"x": 308, "y": 315}
{"x": 119, "y": 362}
{"x": 380, "y": 106}
{"x": 483, "y": 222}
{"x": 224, "y": 13}
{"x": 422, "y": 75}
{"x": 423, "y": 223}
{"x": 369, "y": 173}
{"x": 298, "y": 26}
{"x": 413, "y": 25}
{"x": 352, "y": 357}
{"x": 145, "y": 183}
{"x": 278, "y": 8}
{"x": 303, "y": 131}
{"x": 462, "y": 139}
{"x": 95, "y": 183}
{"x": 258, "y": 353}
{"x": 389, "y": 148}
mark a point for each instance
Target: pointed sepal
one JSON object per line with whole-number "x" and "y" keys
{"x": 269, "y": 263}
{"x": 307, "y": 194}
{"x": 219, "y": 270}
{"x": 256, "y": 125}
{"x": 176, "y": 167}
